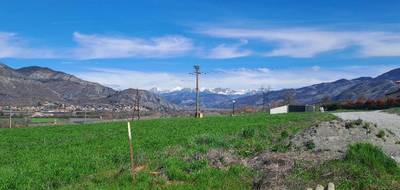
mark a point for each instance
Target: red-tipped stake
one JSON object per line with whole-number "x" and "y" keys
{"x": 131, "y": 150}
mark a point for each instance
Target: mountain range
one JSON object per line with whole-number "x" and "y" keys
{"x": 340, "y": 90}
{"x": 32, "y": 85}
{"x": 210, "y": 98}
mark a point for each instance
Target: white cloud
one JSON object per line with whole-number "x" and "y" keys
{"x": 292, "y": 42}
{"x": 12, "y": 46}
{"x": 238, "y": 79}
{"x": 315, "y": 68}
{"x": 97, "y": 47}
{"x": 123, "y": 79}
{"x": 100, "y": 47}
{"x": 309, "y": 42}
{"x": 224, "y": 51}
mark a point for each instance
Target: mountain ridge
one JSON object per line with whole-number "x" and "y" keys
{"x": 338, "y": 90}
{"x": 32, "y": 85}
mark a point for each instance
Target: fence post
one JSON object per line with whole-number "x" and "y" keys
{"x": 131, "y": 150}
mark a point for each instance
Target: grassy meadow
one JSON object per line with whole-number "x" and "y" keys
{"x": 96, "y": 156}
{"x": 44, "y": 119}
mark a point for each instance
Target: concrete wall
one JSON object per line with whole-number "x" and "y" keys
{"x": 282, "y": 109}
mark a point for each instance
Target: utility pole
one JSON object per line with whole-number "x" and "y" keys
{"x": 137, "y": 106}
{"x": 85, "y": 115}
{"x": 265, "y": 93}
{"x": 233, "y": 107}
{"x": 263, "y": 97}
{"x": 134, "y": 107}
{"x": 133, "y": 111}
{"x": 197, "y": 73}
{"x": 9, "y": 119}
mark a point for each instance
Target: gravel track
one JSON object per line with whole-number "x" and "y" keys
{"x": 382, "y": 119}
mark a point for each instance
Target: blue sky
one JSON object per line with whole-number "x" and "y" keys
{"x": 240, "y": 44}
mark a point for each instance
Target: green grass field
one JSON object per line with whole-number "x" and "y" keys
{"x": 393, "y": 110}
{"x": 96, "y": 156}
{"x": 43, "y": 120}
{"x": 24, "y": 121}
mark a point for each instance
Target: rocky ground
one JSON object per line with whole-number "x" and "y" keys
{"x": 383, "y": 120}
{"x": 320, "y": 143}
{"x": 335, "y": 136}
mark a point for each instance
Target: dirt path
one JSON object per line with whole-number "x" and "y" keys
{"x": 382, "y": 119}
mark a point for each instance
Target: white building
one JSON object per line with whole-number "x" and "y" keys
{"x": 292, "y": 108}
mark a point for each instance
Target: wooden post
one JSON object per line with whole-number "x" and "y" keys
{"x": 131, "y": 150}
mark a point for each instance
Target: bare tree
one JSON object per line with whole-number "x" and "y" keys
{"x": 326, "y": 100}
{"x": 289, "y": 96}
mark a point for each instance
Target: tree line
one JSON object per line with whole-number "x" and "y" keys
{"x": 362, "y": 103}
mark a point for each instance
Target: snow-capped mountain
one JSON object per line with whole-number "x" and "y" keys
{"x": 221, "y": 91}
{"x": 230, "y": 92}
{"x": 210, "y": 97}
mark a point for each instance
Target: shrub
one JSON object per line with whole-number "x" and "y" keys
{"x": 368, "y": 126}
{"x": 310, "y": 144}
{"x": 353, "y": 123}
{"x": 284, "y": 134}
{"x": 381, "y": 134}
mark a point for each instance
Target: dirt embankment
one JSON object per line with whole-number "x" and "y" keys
{"x": 381, "y": 119}
{"x": 312, "y": 147}
{"x": 335, "y": 136}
